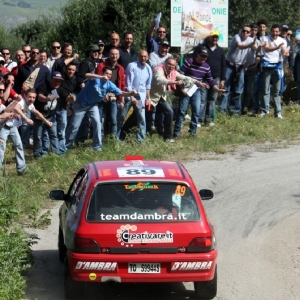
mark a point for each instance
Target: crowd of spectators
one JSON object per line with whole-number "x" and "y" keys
{"x": 53, "y": 101}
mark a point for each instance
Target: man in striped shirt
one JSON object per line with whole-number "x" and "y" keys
{"x": 198, "y": 69}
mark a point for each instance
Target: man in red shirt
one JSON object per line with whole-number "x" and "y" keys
{"x": 110, "y": 107}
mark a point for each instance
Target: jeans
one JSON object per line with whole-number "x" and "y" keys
{"x": 250, "y": 89}
{"x": 24, "y": 130}
{"x": 61, "y": 120}
{"x": 110, "y": 109}
{"x": 150, "y": 119}
{"x": 75, "y": 121}
{"x": 268, "y": 75}
{"x": 83, "y": 131}
{"x": 208, "y": 103}
{"x": 233, "y": 83}
{"x": 184, "y": 101}
{"x": 13, "y": 134}
{"x": 38, "y": 128}
{"x": 166, "y": 110}
{"x": 140, "y": 116}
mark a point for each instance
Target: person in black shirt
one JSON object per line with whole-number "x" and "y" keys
{"x": 46, "y": 103}
{"x": 127, "y": 54}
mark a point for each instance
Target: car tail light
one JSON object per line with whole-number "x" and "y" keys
{"x": 200, "y": 244}
{"x": 86, "y": 246}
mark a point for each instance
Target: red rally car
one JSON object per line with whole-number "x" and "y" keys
{"x": 136, "y": 220}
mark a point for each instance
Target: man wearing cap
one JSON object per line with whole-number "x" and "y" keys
{"x": 55, "y": 54}
{"x": 127, "y": 54}
{"x": 240, "y": 45}
{"x": 9, "y": 64}
{"x": 152, "y": 43}
{"x": 217, "y": 62}
{"x": 198, "y": 69}
{"x": 101, "y": 57}
{"x": 274, "y": 50}
{"x": 47, "y": 103}
{"x": 159, "y": 57}
{"x": 94, "y": 92}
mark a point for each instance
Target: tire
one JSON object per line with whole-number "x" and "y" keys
{"x": 73, "y": 289}
{"x": 62, "y": 249}
{"x": 206, "y": 289}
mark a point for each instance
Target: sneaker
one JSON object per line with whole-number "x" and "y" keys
{"x": 262, "y": 114}
{"x": 199, "y": 125}
{"x": 252, "y": 112}
{"x": 187, "y": 117}
{"x": 210, "y": 124}
{"x": 31, "y": 142}
{"x": 23, "y": 171}
{"x": 169, "y": 140}
{"x": 279, "y": 116}
{"x": 268, "y": 112}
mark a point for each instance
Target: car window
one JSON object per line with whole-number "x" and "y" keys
{"x": 142, "y": 202}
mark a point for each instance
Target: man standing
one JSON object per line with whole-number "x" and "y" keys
{"x": 20, "y": 57}
{"x": 55, "y": 54}
{"x": 101, "y": 57}
{"x": 217, "y": 62}
{"x": 114, "y": 43}
{"x": 235, "y": 68}
{"x": 127, "y": 54}
{"x": 94, "y": 92}
{"x": 152, "y": 44}
{"x": 9, "y": 64}
{"x": 199, "y": 70}
{"x": 138, "y": 77}
{"x": 159, "y": 57}
{"x": 118, "y": 78}
{"x": 275, "y": 49}
{"x": 66, "y": 57}
{"x": 27, "y": 51}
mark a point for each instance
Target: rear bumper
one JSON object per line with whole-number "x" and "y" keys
{"x": 112, "y": 267}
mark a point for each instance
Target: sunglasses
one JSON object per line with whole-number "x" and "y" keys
{"x": 55, "y": 47}
{"x": 101, "y": 45}
{"x": 5, "y": 53}
{"x": 35, "y": 52}
{"x": 161, "y": 32}
{"x": 204, "y": 56}
{"x": 2, "y": 90}
{"x": 289, "y": 34}
{"x": 245, "y": 31}
{"x": 26, "y": 51}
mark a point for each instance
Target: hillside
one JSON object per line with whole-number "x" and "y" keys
{"x": 14, "y": 12}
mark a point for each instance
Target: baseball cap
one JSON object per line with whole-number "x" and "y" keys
{"x": 57, "y": 75}
{"x": 99, "y": 42}
{"x": 284, "y": 26}
{"x": 203, "y": 51}
{"x": 93, "y": 48}
{"x": 214, "y": 32}
{"x": 165, "y": 43}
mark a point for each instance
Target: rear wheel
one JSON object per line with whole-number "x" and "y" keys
{"x": 73, "y": 289}
{"x": 62, "y": 250}
{"x": 206, "y": 289}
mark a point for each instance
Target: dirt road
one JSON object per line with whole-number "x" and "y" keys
{"x": 256, "y": 213}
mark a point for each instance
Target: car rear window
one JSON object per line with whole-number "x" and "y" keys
{"x": 142, "y": 202}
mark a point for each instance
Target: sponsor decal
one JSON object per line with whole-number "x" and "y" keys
{"x": 180, "y": 190}
{"x": 105, "y": 172}
{"x": 135, "y": 163}
{"x": 144, "y": 217}
{"x": 191, "y": 266}
{"x": 127, "y": 234}
{"x": 140, "y": 172}
{"x": 175, "y": 173}
{"x": 99, "y": 266}
{"x": 93, "y": 276}
{"x": 141, "y": 186}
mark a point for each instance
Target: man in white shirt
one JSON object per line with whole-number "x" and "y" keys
{"x": 274, "y": 50}
{"x": 9, "y": 64}
{"x": 241, "y": 44}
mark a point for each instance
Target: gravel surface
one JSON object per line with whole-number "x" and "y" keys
{"x": 256, "y": 213}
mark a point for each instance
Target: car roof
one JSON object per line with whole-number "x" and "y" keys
{"x": 134, "y": 168}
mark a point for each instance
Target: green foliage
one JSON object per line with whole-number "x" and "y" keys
{"x": 15, "y": 260}
{"x": 9, "y": 40}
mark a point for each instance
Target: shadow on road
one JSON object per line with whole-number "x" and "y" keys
{"x": 46, "y": 281}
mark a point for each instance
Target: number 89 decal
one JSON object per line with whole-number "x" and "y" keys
{"x": 140, "y": 172}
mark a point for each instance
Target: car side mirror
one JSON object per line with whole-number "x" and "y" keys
{"x": 57, "y": 195}
{"x": 206, "y": 194}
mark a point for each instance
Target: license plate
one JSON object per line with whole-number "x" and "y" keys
{"x": 147, "y": 268}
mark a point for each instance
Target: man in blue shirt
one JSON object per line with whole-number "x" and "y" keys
{"x": 138, "y": 77}
{"x": 151, "y": 42}
{"x": 87, "y": 101}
